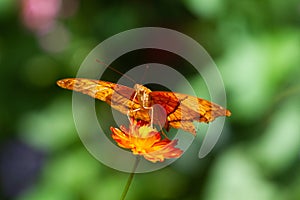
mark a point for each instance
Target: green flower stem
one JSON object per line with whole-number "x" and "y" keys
{"x": 125, "y": 191}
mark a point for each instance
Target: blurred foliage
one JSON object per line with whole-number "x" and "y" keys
{"x": 255, "y": 44}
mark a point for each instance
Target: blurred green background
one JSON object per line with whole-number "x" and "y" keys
{"x": 256, "y": 46}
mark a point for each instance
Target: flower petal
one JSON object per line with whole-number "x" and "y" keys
{"x": 164, "y": 151}
{"x": 144, "y": 140}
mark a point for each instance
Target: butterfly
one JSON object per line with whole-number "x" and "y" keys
{"x": 168, "y": 109}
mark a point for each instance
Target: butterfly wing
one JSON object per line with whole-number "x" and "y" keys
{"x": 119, "y": 97}
{"x": 178, "y": 110}
{"x": 182, "y": 109}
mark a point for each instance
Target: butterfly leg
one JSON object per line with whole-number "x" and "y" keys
{"x": 135, "y": 110}
{"x": 152, "y": 121}
{"x": 151, "y": 110}
{"x": 131, "y": 111}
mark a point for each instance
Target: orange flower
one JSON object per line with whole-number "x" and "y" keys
{"x": 144, "y": 140}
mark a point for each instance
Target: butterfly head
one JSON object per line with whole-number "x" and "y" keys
{"x": 143, "y": 94}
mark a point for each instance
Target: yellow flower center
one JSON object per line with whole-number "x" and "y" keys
{"x": 145, "y": 130}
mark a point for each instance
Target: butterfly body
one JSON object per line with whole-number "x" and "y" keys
{"x": 168, "y": 109}
{"x": 143, "y": 95}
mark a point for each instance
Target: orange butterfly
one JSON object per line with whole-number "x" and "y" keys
{"x": 168, "y": 108}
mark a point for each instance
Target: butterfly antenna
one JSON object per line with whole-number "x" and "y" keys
{"x": 117, "y": 71}
{"x": 144, "y": 75}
